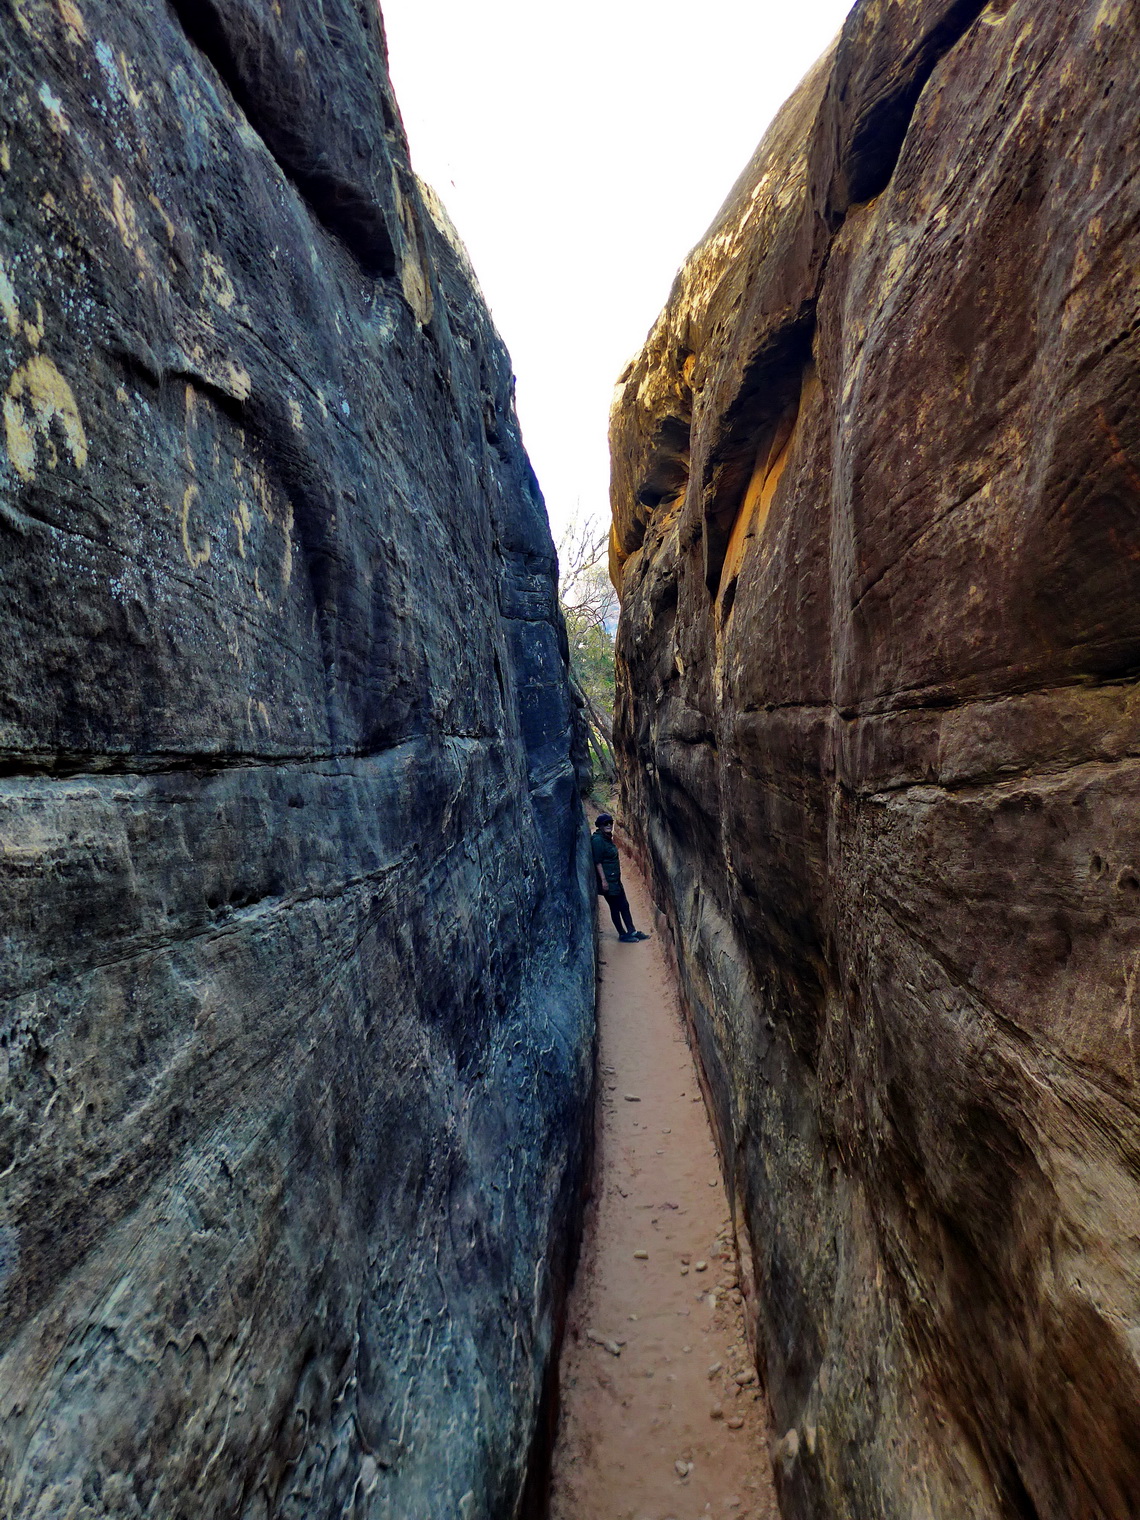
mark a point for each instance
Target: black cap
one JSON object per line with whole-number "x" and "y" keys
{"x": 602, "y": 819}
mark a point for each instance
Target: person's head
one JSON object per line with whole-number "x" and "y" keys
{"x": 604, "y": 823}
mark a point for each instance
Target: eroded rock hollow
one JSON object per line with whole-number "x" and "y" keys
{"x": 296, "y": 970}
{"x": 877, "y": 536}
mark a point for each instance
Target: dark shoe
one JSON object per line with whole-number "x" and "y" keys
{"x": 626, "y": 939}
{"x": 637, "y": 934}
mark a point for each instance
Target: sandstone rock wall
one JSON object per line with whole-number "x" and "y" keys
{"x": 877, "y": 535}
{"x": 296, "y": 969}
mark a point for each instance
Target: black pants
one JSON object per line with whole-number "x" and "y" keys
{"x": 619, "y": 909}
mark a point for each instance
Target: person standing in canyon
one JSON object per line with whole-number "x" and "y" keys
{"x": 607, "y": 864}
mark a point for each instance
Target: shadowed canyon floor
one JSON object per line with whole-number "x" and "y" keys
{"x": 655, "y": 1424}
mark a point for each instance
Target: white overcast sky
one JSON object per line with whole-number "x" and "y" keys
{"x": 581, "y": 150}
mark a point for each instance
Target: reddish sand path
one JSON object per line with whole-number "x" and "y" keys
{"x": 664, "y": 1430}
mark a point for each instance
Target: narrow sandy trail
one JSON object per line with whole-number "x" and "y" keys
{"x": 664, "y": 1430}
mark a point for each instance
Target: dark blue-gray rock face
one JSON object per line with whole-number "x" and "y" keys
{"x": 297, "y": 971}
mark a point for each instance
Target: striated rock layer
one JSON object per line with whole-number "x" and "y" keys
{"x": 877, "y": 534}
{"x": 295, "y": 957}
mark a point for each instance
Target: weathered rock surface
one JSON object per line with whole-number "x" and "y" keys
{"x": 877, "y": 533}
{"x": 295, "y": 959}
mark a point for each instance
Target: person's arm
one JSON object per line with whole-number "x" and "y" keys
{"x": 602, "y": 880}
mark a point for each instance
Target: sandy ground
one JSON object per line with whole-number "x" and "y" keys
{"x": 656, "y": 1424}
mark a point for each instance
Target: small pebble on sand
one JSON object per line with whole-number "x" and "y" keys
{"x": 641, "y": 1256}
{"x": 701, "y": 1266}
{"x": 736, "y": 1422}
{"x": 613, "y": 1347}
{"x": 715, "y": 1368}
{"x": 716, "y": 1412}
{"x": 744, "y": 1378}
{"x": 684, "y": 1271}
{"x": 631, "y": 1098}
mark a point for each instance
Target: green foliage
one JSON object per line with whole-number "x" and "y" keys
{"x": 592, "y": 661}
{"x": 590, "y": 607}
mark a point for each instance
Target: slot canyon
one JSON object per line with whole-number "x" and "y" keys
{"x": 351, "y": 1169}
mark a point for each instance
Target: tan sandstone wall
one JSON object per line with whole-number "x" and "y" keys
{"x": 877, "y": 535}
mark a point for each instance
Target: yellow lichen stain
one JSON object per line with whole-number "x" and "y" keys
{"x": 243, "y": 522}
{"x": 895, "y": 263}
{"x": 5, "y": 155}
{"x": 37, "y": 397}
{"x": 296, "y": 416}
{"x": 257, "y": 709}
{"x": 261, "y": 490}
{"x": 121, "y": 395}
{"x": 194, "y": 557}
{"x": 9, "y": 305}
{"x": 123, "y": 213}
{"x": 250, "y": 479}
{"x": 134, "y": 94}
{"x": 415, "y": 281}
{"x": 20, "y": 440}
{"x": 228, "y": 376}
{"x": 73, "y": 21}
{"x": 166, "y": 222}
{"x": 126, "y": 221}
{"x": 287, "y": 557}
{"x": 216, "y": 283}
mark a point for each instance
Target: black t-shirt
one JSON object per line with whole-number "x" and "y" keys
{"x": 606, "y": 855}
